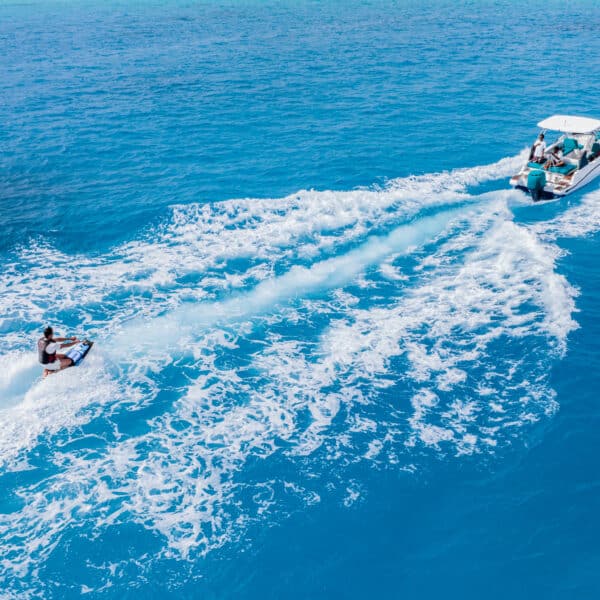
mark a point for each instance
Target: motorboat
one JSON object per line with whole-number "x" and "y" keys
{"x": 578, "y": 141}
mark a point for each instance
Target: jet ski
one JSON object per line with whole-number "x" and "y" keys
{"x": 78, "y": 352}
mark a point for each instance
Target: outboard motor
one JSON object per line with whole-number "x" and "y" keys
{"x": 536, "y": 180}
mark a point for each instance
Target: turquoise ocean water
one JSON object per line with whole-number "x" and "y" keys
{"x": 336, "y": 355}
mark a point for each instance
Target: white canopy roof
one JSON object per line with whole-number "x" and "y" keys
{"x": 568, "y": 124}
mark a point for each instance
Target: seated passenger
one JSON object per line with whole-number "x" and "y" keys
{"x": 538, "y": 149}
{"x": 555, "y": 159}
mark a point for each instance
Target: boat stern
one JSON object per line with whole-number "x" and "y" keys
{"x": 540, "y": 184}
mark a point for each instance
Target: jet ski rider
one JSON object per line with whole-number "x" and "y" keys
{"x": 47, "y": 351}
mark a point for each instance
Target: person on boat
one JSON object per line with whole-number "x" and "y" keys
{"x": 538, "y": 150}
{"x": 48, "y": 355}
{"x": 555, "y": 159}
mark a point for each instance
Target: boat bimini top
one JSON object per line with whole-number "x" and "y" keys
{"x": 568, "y": 124}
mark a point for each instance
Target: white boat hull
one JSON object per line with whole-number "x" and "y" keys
{"x": 558, "y": 185}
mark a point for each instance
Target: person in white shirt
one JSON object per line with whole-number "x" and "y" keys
{"x": 48, "y": 347}
{"x": 538, "y": 150}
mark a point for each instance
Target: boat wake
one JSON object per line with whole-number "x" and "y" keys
{"x": 318, "y": 333}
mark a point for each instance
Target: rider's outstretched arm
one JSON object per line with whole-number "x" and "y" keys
{"x": 72, "y": 341}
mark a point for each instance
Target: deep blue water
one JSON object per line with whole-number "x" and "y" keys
{"x": 337, "y": 357}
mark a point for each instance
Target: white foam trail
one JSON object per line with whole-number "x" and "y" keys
{"x": 148, "y": 275}
{"x": 460, "y": 179}
{"x": 44, "y": 407}
{"x": 199, "y": 239}
{"x": 487, "y": 280}
{"x": 506, "y": 288}
{"x": 19, "y": 372}
{"x": 189, "y": 476}
{"x": 579, "y": 220}
{"x": 298, "y": 281}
